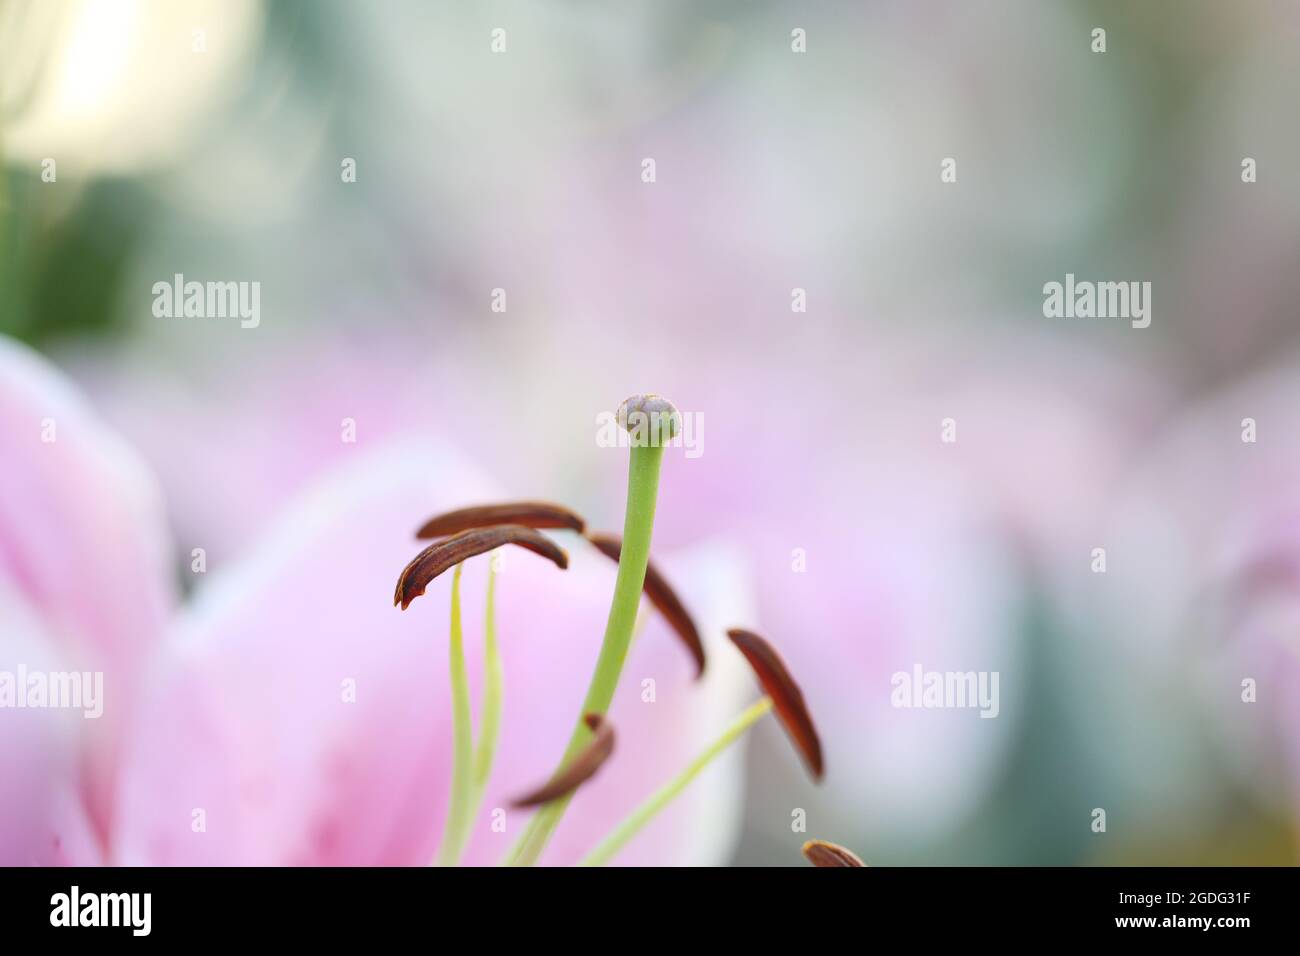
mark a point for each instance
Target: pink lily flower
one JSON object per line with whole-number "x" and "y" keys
{"x": 287, "y": 714}
{"x": 894, "y": 550}
{"x": 84, "y": 586}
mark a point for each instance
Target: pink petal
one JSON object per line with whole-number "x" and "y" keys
{"x": 81, "y": 521}
{"x": 83, "y": 542}
{"x": 551, "y": 629}
{"x": 245, "y": 719}
{"x": 41, "y": 816}
{"x": 246, "y": 750}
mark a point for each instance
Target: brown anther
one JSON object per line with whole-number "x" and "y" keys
{"x": 662, "y": 596}
{"x": 442, "y": 555}
{"x": 530, "y": 514}
{"x": 785, "y": 693}
{"x": 824, "y": 853}
{"x": 580, "y": 769}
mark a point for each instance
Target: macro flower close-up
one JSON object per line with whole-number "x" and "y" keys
{"x": 534, "y": 435}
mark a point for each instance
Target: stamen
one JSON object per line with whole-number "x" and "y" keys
{"x": 580, "y": 769}
{"x": 662, "y": 596}
{"x": 826, "y": 854}
{"x": 530, "y": 514}
{"x": 790, "y": 707}
{"x": 442, "y": 555}
{"x": 665, "y": 795}
{"x": 459, "y": 811}
{"x": 493, "y": 694}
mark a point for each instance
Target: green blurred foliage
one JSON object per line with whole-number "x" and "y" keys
{"x": 65, "y": 262}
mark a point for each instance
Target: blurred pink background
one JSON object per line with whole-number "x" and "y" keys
{"x": 825, "y": 509}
